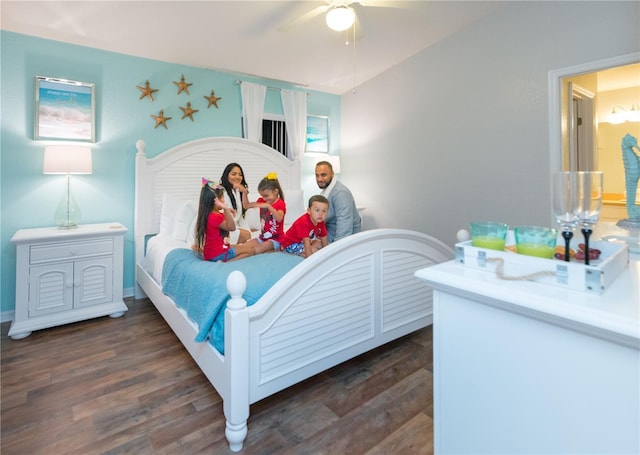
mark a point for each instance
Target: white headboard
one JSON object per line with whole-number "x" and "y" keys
{"x": 178, "y": 171}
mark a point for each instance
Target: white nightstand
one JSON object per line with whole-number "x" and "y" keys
{"x": 67, "y": 275}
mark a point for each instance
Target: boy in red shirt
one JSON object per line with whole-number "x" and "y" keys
{"x": 308, "y": 233}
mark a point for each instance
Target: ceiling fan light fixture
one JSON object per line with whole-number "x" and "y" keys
{"x": 340, "y": 18}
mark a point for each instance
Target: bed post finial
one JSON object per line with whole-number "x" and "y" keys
{"x": 236, "y": 284}
{"x": 236, "y": 362}
{"x": 140, "y": 145}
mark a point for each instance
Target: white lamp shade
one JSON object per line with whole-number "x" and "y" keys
{"x": 67, "y": 159}
{"x": 340, "y": 18}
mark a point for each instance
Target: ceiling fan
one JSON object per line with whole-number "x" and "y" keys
{"x": 340, "y": 14}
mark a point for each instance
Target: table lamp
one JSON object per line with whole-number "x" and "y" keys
{"x": 335, "y": 162}
{"x": 67, "y": 160}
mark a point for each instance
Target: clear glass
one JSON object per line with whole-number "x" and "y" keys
{"x": 68, "y": 212}
{"x": 565, "y": 206}
{"x": 589, "y": 204}
{"x": 536, "y": 241}
{"x": 488, "y": 234}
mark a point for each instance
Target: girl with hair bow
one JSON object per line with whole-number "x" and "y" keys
{"x": 272, "y": 211}
{"x": 214, "y": 222}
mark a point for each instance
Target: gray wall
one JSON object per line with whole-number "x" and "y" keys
{"x": 460, "y": 131}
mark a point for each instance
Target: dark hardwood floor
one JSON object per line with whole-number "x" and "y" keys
{"x": 115, "y": 386}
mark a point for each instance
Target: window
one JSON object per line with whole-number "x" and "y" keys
{"x": 274, "y": 133}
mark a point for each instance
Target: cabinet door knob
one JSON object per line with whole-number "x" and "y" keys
{"x": 76, "y": 283}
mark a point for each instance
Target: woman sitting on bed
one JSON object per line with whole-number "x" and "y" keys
{"x": 272, "y": 211}
{"x": 213, "y": 224}
{"x": 235, "y": 186}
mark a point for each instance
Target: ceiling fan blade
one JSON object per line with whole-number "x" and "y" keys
{"x": 304, "y": 18}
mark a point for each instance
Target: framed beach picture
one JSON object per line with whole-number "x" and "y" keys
{"x": 317, "y": 134}
{"x": 64, "y": 110}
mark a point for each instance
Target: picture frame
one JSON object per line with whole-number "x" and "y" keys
{"x": 317, "y": 134}
{"x": 64, "y": 110}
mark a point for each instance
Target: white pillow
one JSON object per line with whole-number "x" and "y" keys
{"x": 252, "y": 219}
{"x": 191, "y": 232}
{"x": 296, "y": 206}
{"x": 185, "y": 216}
{"x": 168, "y": 212}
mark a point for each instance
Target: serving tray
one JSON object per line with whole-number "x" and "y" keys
{"x": 593, "y": 278}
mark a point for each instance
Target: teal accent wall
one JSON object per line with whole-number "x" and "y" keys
{"x": 29, "y": 198}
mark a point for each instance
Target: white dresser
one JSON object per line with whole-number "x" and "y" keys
{"x": 67, "y": 275}
{"x": 522, "y": 367}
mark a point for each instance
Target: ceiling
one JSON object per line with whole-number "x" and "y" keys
{"x": 619, "y": 78}
{"x": 243, "y": 37}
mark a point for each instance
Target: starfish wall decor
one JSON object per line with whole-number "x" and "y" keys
{"x": 147, "y": 91}
{"x": 161, "y": 119}
{"x": 182, "y": 86}
{"x": 187, "y": 111}
{"x": 212, "y": 100}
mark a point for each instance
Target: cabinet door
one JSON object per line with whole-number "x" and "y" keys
{"x": 93, "y": 279}
{"x": 50, "y": 288}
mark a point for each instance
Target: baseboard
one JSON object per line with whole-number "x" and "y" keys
{"x": 6, "y": 316}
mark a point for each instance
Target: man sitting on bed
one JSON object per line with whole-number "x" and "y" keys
{"x": 343, "y": 218}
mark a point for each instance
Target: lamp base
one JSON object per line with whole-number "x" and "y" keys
{"x": 67, "y": 226}
{"x": 68, "y": 213}
{"x": 630, "y": 224}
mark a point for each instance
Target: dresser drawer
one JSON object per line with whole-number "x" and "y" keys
{"x": 61, "y": 251}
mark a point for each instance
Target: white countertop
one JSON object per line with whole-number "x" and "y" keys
{"x": 614, "y": 315}
{"x": 611, "y": 232}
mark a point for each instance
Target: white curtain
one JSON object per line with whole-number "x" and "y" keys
{"x": 252, "y": 109}
{"x": 294, "y": 106}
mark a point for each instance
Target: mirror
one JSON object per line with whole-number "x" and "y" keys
{"x": 592, "y": 107}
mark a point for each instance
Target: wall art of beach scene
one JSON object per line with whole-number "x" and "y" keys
{"x": 317, "y": 134}
{"x": 65, "y": 111}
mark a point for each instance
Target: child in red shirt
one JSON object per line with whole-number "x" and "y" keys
{"x": 213, "y": 224}
{"x": 308, "y": 233}
{"x": 272, "y": 211}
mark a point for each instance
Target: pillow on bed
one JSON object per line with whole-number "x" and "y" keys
{"x": 176, "y": 216}
{"x": 168, "y": 211}
{"x": 252, "y": 218}
{"x": 296, "y": 205}
{"x": 191, "y": 233}
{"x": 184, "y": 218}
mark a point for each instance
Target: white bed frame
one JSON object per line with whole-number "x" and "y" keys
{"x": 350, "y": 297}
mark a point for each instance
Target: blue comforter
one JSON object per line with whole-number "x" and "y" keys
{"x": 200, "y": 287}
